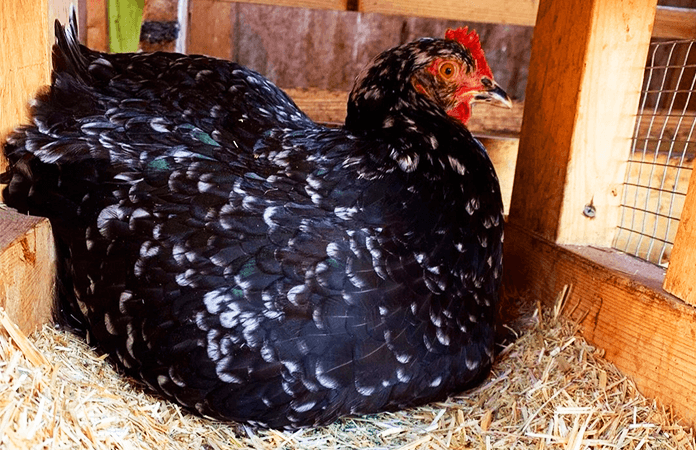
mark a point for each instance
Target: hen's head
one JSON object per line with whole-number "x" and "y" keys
{"x": 457, "y": 82}
{"x": 449, "y": 74}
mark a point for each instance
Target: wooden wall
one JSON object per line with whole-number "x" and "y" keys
{"x": 301, "y": 48}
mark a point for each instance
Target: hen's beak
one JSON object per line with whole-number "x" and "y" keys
{"x": 493, "y": 94}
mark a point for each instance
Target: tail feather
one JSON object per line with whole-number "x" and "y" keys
{"x": 67, "y": 55}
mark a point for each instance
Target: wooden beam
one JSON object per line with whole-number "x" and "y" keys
{"x": 621, "y": 308}
{"x": 670, "y": 22}
{"x": 341, "y": 5}
{"x": 27, "y": 269}
{"x": 583, "y": 89}
{"x": 681, "y": 274}
{"x": 675, "y": 23}
{"x": 489, "y": 11}
{"x": 321, "y": 105}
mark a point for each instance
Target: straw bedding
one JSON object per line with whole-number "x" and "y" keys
{"x": 549, "y": 389}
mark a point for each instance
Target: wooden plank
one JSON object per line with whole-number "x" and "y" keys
{"x": 321, "y": 105}
{"x": 653, "y": 123}
{"x": 675, "y": 23}
{"x": 670, "y": 22}
{"x": 326, "y": 49}
{"x": 341, "y": 5}
{"x": 27, "y": 269}
{"x": 681, "y": 274}
{"x": 495, "y": 121}
{"x": 583, "y": 89}
{"x": 97, "y": 35}
{"x": 620, "y": 307}
{"x": 211, "y": 29}
{"x": 489, "y": 11}
{"x": 24, "y": 59}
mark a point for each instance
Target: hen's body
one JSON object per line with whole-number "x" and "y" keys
{"x": 253, "y": 265}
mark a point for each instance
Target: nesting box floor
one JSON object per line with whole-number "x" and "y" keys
{"x": 549, "y": 389}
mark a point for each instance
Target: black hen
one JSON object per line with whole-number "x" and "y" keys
{"x": 255, "y": 266}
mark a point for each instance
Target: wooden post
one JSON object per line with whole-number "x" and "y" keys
{"x": 24, "y": 59}
{"x": 27, "y": 254}
{"x": 584, "y": 84}
{"x": 680, "y": 279}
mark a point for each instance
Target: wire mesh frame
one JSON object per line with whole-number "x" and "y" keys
{"x": 662, "y": 153}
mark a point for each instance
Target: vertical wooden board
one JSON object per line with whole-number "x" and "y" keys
{"x": 680, "y": 279}
{"x": 24, "y": 59}
{"x": 609, "y": 95}
{"x": 97, "y": 33}
{"x": 584, "y": 83}
{"x": 211, "y": 28}
{"x": 558, "y": 49}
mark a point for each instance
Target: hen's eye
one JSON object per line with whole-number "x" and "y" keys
{"x": 447, "y": 70}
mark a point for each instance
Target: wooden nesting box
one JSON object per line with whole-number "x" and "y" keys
{"x": 582, "y": 96}
{"x": 584, "y": 81}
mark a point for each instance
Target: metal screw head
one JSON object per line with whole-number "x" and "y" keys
{"x": 589, "y": 211}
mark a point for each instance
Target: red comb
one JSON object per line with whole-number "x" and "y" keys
{"x": 472, "y": 43}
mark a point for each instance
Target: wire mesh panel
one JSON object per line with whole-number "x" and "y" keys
{"x": 662, "y": 155}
